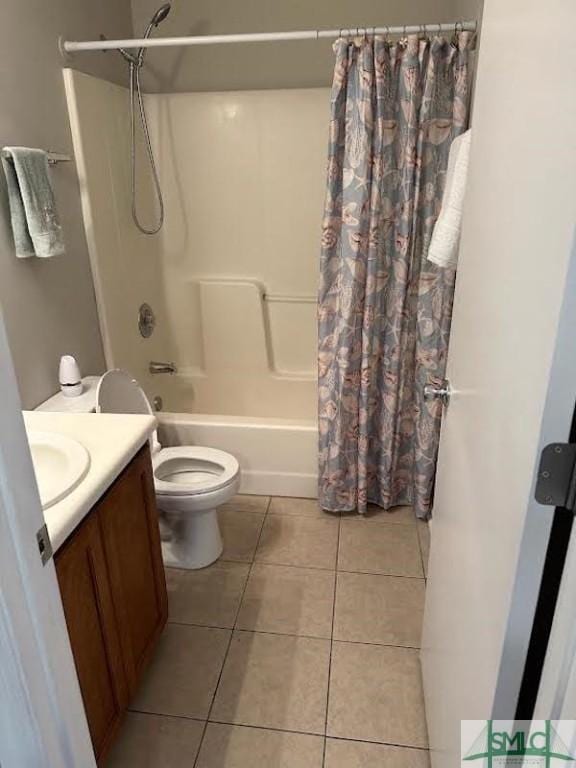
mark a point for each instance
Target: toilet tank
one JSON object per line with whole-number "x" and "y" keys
{"x": 84, "y": 403}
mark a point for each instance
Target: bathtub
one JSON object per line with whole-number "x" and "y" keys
{"x": 278, "y": 457}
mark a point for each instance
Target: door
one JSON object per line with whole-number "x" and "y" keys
{"x": 87, "y": 599}
{"x": 511, "y": 367}
{"x": 129, "y": 523}
{"x": 42, "y": 722}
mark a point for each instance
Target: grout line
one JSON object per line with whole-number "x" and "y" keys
{"x": 386, "y": 575}
{"x": 231, "y": 635}
{"x": 331, "y": 646}
{"x": 372, "y": 521}
{"x": 277, "y": 730}
{"x": 291, "y": 634}
{"x": 384, "y": 743}
{"x": 319, "y": 735}
{"x": 168, "y": 717}
{"x": 329, "y": 516}
{"x": 268, "y": 728}
{"x": 297, "y": 567}
{"x": 312, "y": 567}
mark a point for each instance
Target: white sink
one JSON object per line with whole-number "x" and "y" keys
{"x": 60, "y": 464}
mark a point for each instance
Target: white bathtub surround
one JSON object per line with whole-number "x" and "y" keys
{"x": 235, "y": 303}
{"x": 112, "y": 440}
{"x": 278, "y": 456}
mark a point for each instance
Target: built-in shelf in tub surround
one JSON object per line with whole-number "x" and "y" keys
{"x": 112, "y": 440}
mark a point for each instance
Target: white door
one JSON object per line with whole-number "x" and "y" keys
{"x": 511, "y": 366}
{"x": 42, "y": 721}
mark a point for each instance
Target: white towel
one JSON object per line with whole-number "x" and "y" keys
{"x": 443, "y": 250}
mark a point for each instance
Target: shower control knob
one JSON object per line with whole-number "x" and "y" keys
{"x": 146, "y": 320}
{"x": 442, "y": 392}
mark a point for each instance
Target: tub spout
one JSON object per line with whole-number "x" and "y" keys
{"x": 156, "y": 367}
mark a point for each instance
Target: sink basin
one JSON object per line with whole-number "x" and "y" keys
{"x": 60, "y": 464}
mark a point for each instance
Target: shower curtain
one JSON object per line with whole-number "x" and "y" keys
{"x": 384, "y": 310}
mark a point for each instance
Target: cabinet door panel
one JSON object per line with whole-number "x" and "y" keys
{"x": 129, "y": 524}
{"x": 85, "y": 591}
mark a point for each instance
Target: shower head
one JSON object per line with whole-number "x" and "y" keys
{"x": 160, "y": 14}
{"x": 158, "y": 18}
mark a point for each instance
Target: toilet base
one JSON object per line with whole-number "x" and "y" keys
{"x": 191, "y": 540}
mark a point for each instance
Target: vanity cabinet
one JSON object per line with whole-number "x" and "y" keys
{"x": 113, "y": 589}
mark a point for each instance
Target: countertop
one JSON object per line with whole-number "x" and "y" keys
{"x": 111, "y": 439}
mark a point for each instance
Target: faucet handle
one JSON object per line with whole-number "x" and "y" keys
{"x": 157, "y": 367}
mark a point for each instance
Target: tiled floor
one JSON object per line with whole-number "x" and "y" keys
{"x": 297, "y": 649}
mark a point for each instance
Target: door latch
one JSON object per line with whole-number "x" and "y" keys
{"x": 44, "y": 544}
{"x": 441, "y": 393}
{"x": 556, "y": 480}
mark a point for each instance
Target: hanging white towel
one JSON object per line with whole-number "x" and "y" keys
{"x": 443, "y": 250}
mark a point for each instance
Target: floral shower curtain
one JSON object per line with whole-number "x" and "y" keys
{"x": 384, "y": 310}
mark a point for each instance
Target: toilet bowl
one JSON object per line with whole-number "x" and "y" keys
{"x": 191, "y": 482}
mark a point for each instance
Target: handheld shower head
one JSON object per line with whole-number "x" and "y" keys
{"x": 157, "y": 19}
{"x": 160, "y": 14}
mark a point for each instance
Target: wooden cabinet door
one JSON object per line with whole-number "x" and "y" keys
{"x": 85, "y": 590}
{"x": 129, "y": 524}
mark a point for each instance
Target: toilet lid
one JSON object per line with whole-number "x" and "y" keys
{"x": 189, "y": 470}
{"x": 118, "y": 392}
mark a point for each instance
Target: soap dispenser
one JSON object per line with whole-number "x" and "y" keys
{"x": 69, "y": 377}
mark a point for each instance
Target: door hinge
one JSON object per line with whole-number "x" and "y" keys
{"x": 44, "y": 544}
{"x": 556, "y": 481}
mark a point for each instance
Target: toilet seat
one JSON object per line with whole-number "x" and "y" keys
{"x": 192, "y": 470}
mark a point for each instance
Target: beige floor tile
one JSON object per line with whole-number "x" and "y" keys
{"x": 151, "y": 741}
{"x": 376, "y": 695}
{"x": 376, "y": 514}
{"x": 240, "y": 532}
{"x": 379, "y": 609}
{"x": 209, "y": 596}
{"x": 244, "y": 503}
{"x": 385, "y": 548}
{"x": 184, "y": 672}
{"x": 291, "y": 601}
{"x": 356, "y": 754}
{"x": 274, "y": 681}
{"x": 424, "y": 538}
{"x": 293, "y": 540}
{"x": 234, "y": 746}
{"x": 302, "y": 507}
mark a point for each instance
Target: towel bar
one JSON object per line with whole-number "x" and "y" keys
{"x": 53, "y": 157}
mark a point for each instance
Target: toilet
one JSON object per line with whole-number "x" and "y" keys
{"x": 191, "y": 481}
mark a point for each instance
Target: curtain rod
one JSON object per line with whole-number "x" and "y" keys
{"x": 71, "y": 46}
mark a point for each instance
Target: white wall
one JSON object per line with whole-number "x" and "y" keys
{"x": 49, "y": 306}
{"x": 269, "y": 65}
